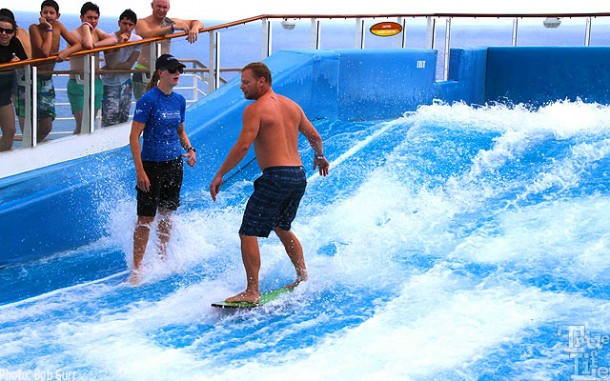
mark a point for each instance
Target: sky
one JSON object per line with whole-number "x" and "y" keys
{"x": 240, "y": 9}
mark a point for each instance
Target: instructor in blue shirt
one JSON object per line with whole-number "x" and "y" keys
{"x": 159, "y": 118}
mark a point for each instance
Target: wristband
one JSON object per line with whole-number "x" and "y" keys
{"x": 191, "y": 149}
{"x": 172, "y": 26}
{"x": 319, "y": 157}
{"x": 49, "y": 30}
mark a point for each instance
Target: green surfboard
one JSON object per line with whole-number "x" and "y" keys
{"x": 265, "y": 298}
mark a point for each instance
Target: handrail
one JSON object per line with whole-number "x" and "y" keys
{"x": 36, "y": 61}
{"x": 210, "y": 74}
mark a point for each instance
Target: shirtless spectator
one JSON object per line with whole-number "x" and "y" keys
{"x": 90, "y": 37}
{"x": 158, "y": 24}
{"x": 45, "y": 37}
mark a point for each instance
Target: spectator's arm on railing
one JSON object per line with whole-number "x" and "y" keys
{"x": 105, "y": 39}
{"x": 191, "y": 27}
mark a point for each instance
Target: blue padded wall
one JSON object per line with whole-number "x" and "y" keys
{"x": 538, "y": 75}
{"x": 466, "y": 79}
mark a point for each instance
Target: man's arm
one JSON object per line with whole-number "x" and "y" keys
{"x": 240, "y": 148}
{"x": 145, "y": 30}
{"x": 104, "y": 39}
{"x": 41, "y": 39}
{"x": 74, "y": 47}
{"x": 315, "y": 140}
{"x": 190, "y": 26}
{"x": 84, "y": 35}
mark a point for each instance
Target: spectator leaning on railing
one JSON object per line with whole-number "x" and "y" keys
{"x": 11, "y": 50}
{"x": 45, "y": 38}
{"x": 90, "y": 37}
{"x": 158, "y": 24}
{"x": 118, "y": 86}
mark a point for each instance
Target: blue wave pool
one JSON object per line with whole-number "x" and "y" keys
{"x": 453, "y": 243}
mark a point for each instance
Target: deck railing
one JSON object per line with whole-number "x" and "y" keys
{"x": 234, "y": 44}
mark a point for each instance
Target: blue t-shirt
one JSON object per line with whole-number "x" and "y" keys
{"x": 162, "y": 114}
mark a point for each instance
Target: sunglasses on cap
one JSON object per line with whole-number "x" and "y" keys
{"x": 7, "y": 31}
{"x": 173, "y": 70}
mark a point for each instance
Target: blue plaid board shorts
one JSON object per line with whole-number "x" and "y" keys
{"x": 275, "y": 201}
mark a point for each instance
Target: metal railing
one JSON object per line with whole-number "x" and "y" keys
{"x": 259, "y": 37}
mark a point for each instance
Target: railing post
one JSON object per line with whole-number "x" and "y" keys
{"x": 315, "y": 34}
{"x": 213, "y": 51}
{"x": 515, "y": 30}
{"x": 266, "y": 51}
{"x": 588, "y": 31}
{"x": 86, "y": 125}
{"x": 447, "y": 48}
{"x": 359, "y": 43}
{"x": 29, "y": 124}
{"x": 154, "y": 51}
{"x": 217, "y": 62}
{"x": 403, "y": 34}
{"x": 431, "y": 33}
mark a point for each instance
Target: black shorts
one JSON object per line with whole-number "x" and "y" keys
{"x": 274, "y": 203}
{"x": 165, "y": 184}
{"x": 7, "y": 79}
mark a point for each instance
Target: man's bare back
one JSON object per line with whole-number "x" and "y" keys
{"x": 276, "y": 143}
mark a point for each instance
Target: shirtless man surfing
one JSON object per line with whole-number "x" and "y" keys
{"x": 273, "y": 123}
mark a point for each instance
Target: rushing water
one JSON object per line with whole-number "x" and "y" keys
{"x": 455, "y": 243}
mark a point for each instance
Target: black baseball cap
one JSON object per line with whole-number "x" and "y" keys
{"x": 167, "y": 61}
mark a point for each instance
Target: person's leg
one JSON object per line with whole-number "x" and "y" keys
{"x": 46, "y": 108}
{"x": 110, "y": 106}
{"x": 45, "y": 125}
{"x": 78, "y": 119}
{"x": 7, "y": 124}
{"x": 164, "y": 230}
{"x": 251, "y": 257}
{"x": 295, "y": 253}
{"x": 125, "y": 101}
{"x": 140, "y": 81}
{"x": 76, "y": 96}
{"x": 140, "y": 240}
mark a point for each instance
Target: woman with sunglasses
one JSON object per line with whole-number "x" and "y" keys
{"x": 159, "y": 118}
{"x": 11, "y": 50}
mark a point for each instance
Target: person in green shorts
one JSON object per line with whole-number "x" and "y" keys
{"x": 90, "y": 37}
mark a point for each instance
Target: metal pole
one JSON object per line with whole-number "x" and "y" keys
{"x": 447, "y": 48}
{"x": 360, "y": 34}
{"x": 212, "y": 48}
{"x": 155, "y": 52}
{"x": 403, "y": 42}
{"x": 266, "y": 50}
{"x": 431, "y": 33}
{"x": 91, "y": 80}
{"x": 87, "y": 95}
{"x": 217, "y": 63}
{"x": 588, "y": 31}
{"x": 29, "y": 123}
{"x": 515, "y": 30}
{"x": 318, "y": 34}
{"x": 314, "y": 34}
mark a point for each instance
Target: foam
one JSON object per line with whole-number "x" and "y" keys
{"x": 433, "y": 261}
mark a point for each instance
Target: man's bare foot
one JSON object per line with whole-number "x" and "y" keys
{"x": 300, "y": 278}
{"x": 134, "y": 278}
{"x": 244, "y": 296}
